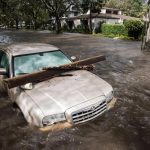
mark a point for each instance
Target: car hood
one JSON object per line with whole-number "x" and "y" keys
{"x": 63, "y": 92}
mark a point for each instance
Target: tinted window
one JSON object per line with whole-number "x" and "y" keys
{"x": 1, "y": 54}
{"x": 4, "y": 61}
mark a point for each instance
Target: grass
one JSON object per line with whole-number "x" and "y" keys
{"x": 123, "y": 37}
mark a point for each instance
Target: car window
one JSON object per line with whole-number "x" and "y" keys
{"x": 3, "y": 60}
{"x": 1, "y": 54}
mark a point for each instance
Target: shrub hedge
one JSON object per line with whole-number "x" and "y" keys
{"x": 114, "y": 29}
{"x": 134, "y": 28}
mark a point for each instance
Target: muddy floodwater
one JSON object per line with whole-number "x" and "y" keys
{"x": 125, "y": 127}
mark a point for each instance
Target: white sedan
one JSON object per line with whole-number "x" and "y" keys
{"x": 74, "y": 99}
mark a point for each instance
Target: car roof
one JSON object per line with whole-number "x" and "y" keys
{"x": 28, "y": 48}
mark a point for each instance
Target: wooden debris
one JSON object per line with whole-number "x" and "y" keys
{"x": 52, "y": 72}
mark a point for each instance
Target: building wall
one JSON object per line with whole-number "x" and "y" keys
{"x": 120, "y": 12}
{"x": 109, "y": 21}
{"x": 77, "y": 22}
{"x": 112, "y": 11}
{"x": 103, "y": 11}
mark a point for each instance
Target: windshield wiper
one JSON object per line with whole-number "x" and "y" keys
{"x": 22, "y": 73}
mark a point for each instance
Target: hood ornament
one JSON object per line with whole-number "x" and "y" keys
{"x": 93, "y": 108}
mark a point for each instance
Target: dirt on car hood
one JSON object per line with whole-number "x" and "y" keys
{"x": 66, "y": 91}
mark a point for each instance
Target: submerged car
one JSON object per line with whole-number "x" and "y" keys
{"x": 75, "y": 98}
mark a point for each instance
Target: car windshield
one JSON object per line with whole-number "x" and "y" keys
{"x": 34, "y": 62}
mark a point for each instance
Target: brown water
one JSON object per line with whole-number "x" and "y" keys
{"x": 126, "y": 127}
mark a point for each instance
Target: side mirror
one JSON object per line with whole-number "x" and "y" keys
{"x": 28, "y": 86}
{"x": 74, "y": 58}
{"x": 3, "y": 71}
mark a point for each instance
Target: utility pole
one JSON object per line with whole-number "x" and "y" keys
{"x": 146, "y": 33}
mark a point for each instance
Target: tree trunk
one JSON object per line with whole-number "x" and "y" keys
{"x": 35, "y": 22}
{"x": 58, "y": 25}
{"x": 17, "y": 24}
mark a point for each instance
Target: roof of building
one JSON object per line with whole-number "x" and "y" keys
{"x": 28, "y": 48}
{"x": 108, "y": 8}
{"x": 105, "y": 16}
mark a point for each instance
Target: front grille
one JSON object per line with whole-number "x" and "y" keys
{"x": 89, "y": 113}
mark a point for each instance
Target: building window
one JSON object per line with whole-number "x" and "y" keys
{"x": 74, "y": 8}
{"x": 108, "y": 11}
{"x": 75, "y": 13}
{"x": 115, "y": 12}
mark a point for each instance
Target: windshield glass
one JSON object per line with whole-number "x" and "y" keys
{"x": 35, "y": 62}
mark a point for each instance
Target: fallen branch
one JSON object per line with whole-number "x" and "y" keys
{"x": 51, "y": 72}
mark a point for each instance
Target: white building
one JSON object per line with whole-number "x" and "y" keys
{"x": 107, "y": 15}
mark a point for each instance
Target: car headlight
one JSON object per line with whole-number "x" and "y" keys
{"x": 109, "y": 96}
{"x": 49, "y": 120}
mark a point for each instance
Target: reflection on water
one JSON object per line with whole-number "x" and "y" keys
{"x": 5, "y": 39}
{"x": 126, "y": 127}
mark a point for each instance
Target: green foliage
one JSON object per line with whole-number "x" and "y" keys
{"x": 131, "y": 29}
{"x": 112, "y": 4}
{"x": 93, "y": 5}
{"x": 132, "y": 8}
{"x": 34, "y": 13}
{"x": 57, "y": 9}
{"x": 17, "y": 13}
{"x": 10, "y": 10}
{"x": 134, "y": 28}
{"x": 123, "y": 37}
{"x": 113, "y": 30}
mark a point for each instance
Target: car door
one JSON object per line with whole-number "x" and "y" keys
{"x": 4, "y": 63}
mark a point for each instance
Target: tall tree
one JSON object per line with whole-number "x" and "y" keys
{"x": 94, "y": 6}
{"x": 113, "y": 3}
{"x": 132, "y": 8}
{"x": 57, "y": 9}
{"x": 34, "y": 12}
{"x": 11, "y": 12}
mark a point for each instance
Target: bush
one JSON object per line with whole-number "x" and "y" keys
{"x": 113, "y": 29}
{"x": 134, "y": 28}
{"x": 79, "y": 28}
